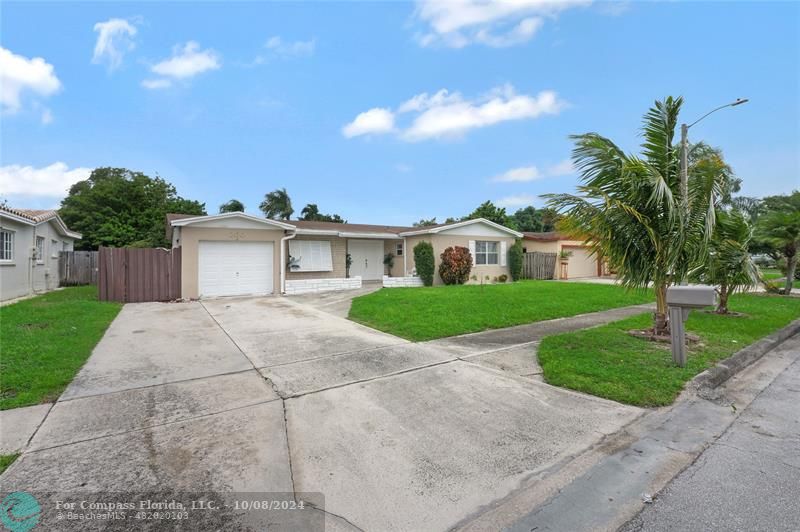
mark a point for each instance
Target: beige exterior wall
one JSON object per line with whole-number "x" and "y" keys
{"x": 192, "y": 235}
{"x": 555, "y": 246}
{"x": 442, "y": 241}
{"x": 23, "y": 274}
{"x": 390, "y": 246}
{"x": 338, "y": 252}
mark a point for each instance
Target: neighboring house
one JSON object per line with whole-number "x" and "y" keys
{"x": 581, "y": 264}
{"x": 237, "y": 254}
{"x": 30, "y": 241}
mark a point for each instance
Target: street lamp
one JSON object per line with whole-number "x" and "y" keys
{"x": 685, "y": 153}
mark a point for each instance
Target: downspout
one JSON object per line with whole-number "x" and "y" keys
{"x": 405, "y": 258}
{"x": 283, "y": 259}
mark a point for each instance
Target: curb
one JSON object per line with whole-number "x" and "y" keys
{"x": 724, "y": 370}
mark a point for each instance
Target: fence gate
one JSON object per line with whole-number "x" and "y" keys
{"x": 538, "y": 265}
{"x": 135, "y": 275}
{"x": 77, "y": 267}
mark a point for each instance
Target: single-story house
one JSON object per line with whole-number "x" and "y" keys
{"x": 237, "y": 254}
{"x": 580, "y": 264}
{"x": 30, "y": 241}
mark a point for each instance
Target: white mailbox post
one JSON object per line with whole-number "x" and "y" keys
{"x": 680, "y": 300}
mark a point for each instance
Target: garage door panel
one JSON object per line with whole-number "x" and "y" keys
{"x": 581, "y": 264}
{"x": 235, "y": 268}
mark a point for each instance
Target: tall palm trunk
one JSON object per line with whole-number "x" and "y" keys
{"x": 724, "y": 292}
{"x": 661, "y": 322}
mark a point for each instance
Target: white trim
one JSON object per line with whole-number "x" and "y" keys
{"x": 348, "y": 234}
{"x": 439, "y": 229}
{"x": 198, "y": 219}
{"x": 284, "y": 245}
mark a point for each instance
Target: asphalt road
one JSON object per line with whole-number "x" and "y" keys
{"x": 749, "y": 479}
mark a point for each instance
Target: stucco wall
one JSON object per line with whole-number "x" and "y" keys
{"x": 192, "y": 235}
{"x": 390, "y": 246}
{"x": 554, "y": 246}
{"x": 338, "y": 252}
{"x": 442, "y": 241}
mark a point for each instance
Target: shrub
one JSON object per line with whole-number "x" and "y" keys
{"x": 503, "y": 278}
{"x": 456, "y": 265}
{"x": 515, "y": 258}
{"x": 424, "y": 263}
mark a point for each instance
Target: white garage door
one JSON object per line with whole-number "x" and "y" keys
{"x": 235, "y": 268}
{"x": 581, "y": 264}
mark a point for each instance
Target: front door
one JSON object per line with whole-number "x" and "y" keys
{"x": 367, "y": 259}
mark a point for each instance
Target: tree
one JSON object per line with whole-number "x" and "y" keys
{"x": 515, "y": 258}
{"x": 780, "y": 228}
{"x": 425, "y": 223}
{"x": 528, "y": 219}
{"x": 120, "y": 207}
{"x": 490, "y": 211}
{"x": 277, "y": 205}
{"x": 233, "y": 205}
{"x": 423, "y": 262}
{"x": 549, "y": 218}
{"x": 455, "y": 265}
{"x": 729, "y": 265}
{"x": 311, "y": 212}
{"x": 629, "y": 207}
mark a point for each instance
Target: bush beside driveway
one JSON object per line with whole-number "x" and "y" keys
{"x": 420, "y": 314}
{"x": 46, "y": 340}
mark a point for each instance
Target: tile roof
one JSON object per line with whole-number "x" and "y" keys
{"x": 34, "y": 215}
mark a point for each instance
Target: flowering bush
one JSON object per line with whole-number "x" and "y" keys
{"x": 456, "y": 265}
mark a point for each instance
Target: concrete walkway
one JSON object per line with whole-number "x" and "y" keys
{"x": 268, "y": 395}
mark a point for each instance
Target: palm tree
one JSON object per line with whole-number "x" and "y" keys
{"x": 233, "y": 205}
{"x": 729, "y": 264}
{"x": 277, "y": 205}
{"x": 780, "y": 227}
{"x": 629, "y": 210}
{"x": 310, "y": 212}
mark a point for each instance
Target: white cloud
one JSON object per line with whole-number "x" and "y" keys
{"x": 448, "y": 114}
{"x": 154, "y": 84}
{"x": 522, "y": 174}
{"x": 518, "y": 200}
{"x": 47, "y": 116}
{"x": 50, "y": 181}
{"x": 373, "y": 122}
{"x": 497, "y": 23}
{"x": 454, "y": 119}
{"x": 19, "y": 74}
{"x": 287, "y": 49}
{"x": 565, "y": 167}
{"x": 114, "y": 39}
{"x": 186, "y": 62}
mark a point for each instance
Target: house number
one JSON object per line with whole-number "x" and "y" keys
{"x": 236, "y": 235}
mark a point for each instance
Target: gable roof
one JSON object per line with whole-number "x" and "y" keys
{"x": 179, "y": 220}
{"x": 433, "y": 229}
{"x": 547, "y": 236}
{"x": 36, "y": 217}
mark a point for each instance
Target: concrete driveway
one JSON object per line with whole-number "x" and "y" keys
{"x": 274, "y": 395}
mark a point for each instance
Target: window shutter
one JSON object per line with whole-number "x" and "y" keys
{"x": 503, "y": 252}
{"x": 472, "y": 250}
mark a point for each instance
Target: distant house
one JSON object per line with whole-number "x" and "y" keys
{"x": 581, "y": 263}
{"x": 237, "y": 254}
{"x": 30, "y": 241}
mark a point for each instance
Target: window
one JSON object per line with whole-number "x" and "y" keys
{"x": 6, "y": 245}
{"x": 39, "y": 249}
{"x": 486, "y": 252}
{"x": 399, "y": 249}
{"x": 54, "y": 249}
{"x": 310, "y": 256}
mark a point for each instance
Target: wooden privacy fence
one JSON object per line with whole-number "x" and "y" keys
{"x": 77, "y": 267}
{"x": 538, "y": 265}
{"x": 134, "y": 275}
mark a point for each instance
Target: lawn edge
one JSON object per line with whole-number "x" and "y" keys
{"x": 726, "y": 368}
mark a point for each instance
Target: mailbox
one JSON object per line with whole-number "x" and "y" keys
{"x": 691, "y": 296}
{"x": 680, "y": 300}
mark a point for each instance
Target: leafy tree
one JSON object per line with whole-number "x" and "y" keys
{"x": 233, "y": 205}
{"x": 455, "y": 265}
{"x": 277, "y": 205}
{"x": 311, "y": 212}
{"x": 630, "y": 206}
{"x": 490, "y": 211}
{"x": 780, "y": 228}
{"x": 425, "y": 223}
{"x": 515, "y": 258}
{"x": 528, "y": 219}
{"x": 424, "y": 262}
{"x": 550, "y": 217}
{"x": 120, "y": 207}
{"x": 729, "y": 264}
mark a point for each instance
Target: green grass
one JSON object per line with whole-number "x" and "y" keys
{"x": 607, "y": 362}
{"x": 45, "y": 341}
{"x": 770, "y": 274}
{"x": 427, "y": 313}
{"x": 6, "y": 460}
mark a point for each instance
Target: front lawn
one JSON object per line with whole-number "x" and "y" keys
{"x": 6, "y": 460}
{"x": 435, "y": 312}
{"x": 45, "y": 341}
{"x": 608, "y": 362}
{"x": 770, "y": 274}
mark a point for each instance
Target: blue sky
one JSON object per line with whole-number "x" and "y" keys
{"x": 234, "y": 100}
